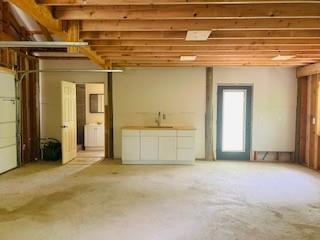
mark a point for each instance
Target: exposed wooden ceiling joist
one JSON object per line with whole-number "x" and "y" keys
{"x": 160, "y": 2}
{"x": 153, "y": 32}
{"x": 236, "y": 11}
{"x": 212, "y": 42}
{"x": 185, "y": 25}
{"x": 171, "y": 35}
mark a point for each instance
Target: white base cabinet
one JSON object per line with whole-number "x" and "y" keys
{"x": 158, "y": 146}
{"x": 94, "y": 137}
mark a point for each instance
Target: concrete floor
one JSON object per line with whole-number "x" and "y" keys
{"x": 211, "y": 200}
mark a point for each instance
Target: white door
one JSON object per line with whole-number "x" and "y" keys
{"x": 69, "y": 121}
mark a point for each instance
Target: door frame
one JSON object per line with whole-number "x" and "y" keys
{"x": 246, "y": 156}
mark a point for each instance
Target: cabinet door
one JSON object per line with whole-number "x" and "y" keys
{"x": 100, "y": 137}
{"x": 130, "y": 148}
{"x": 149, "y": 148}
{"x": 167, "y": 148}
{"x": 185, "y": 155}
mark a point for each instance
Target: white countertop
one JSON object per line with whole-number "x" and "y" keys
{"x": 158, "y": 128}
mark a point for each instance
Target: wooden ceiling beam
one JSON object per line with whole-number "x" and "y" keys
{"x": 212, "y": 62}
{"x": 205, "y": 58}
{"x": 185, "y": 25}
{"x": 160, "y": 2}
{"x": 160, "y": 12}
{"x": 214, "y": 42}
{"x": 204, "y": 48}
{"x": 210, "y": 54}
{"x": 161, "y": 35}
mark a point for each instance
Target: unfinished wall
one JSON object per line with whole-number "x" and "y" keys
{"x": 93, "y": 89}
{"x": 274, "y": 103}
{"x": 50, "y": 94}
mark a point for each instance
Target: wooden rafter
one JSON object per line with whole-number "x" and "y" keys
{"x": 44, "y": 16}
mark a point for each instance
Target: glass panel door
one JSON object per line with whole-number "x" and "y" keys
{"x": 234, "y": 123}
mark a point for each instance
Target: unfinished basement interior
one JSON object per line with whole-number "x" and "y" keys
{"x": 160, "y": 119}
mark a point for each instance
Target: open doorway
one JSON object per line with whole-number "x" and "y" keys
{"x": 234, "y": 122}
{"x": 90, "y": 121}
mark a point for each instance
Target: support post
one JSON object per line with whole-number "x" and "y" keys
{"x": 109, "y": 121}
{"x": 209, "y": 116}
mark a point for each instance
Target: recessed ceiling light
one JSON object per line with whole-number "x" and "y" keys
{"x": 197, "y": 35}
{"x": 282, "y": 58}
{"x": 188, "y": 58}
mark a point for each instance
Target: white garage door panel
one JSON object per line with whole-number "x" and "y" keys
{"x": 7, "y": 88}
{"x": 8, "y": 111}
{"x": 4, "y": 142}
{"x": 6, "y": 156}
{"x": 8, "y": 129}
{"x": 8, "y": 147}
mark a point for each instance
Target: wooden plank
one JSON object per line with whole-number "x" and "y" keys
{"x": 308, "y": 70}
{"x": 209, "y": 155}
{"x": 159, "y": 2}
{"x": 245, "y": 54}
{"x": 206, "y": 49}
{"x": 73, "y": 35}
{"x": 158, "y": 12}
{"x": 45, "y": 32}
{"x": 214, "y": 42}
{"x": 145, "y": 35}
{"x": 200, "y": 24}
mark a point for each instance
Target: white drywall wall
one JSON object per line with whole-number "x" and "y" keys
{"x": 178, "y": 92}
{"x": 274, "y": 103}
{"x": 139, "y": 93}
{"x": 50, "y": 93}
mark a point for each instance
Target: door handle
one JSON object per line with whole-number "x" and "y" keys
{"x": 64, "y": 126}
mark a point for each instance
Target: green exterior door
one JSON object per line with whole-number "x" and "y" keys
{"x": 234, "y": 115}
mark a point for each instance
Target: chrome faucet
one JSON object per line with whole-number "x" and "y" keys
{"x": 158, "y": 119}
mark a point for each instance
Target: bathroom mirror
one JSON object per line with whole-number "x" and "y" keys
{"x": 96, "y": 103}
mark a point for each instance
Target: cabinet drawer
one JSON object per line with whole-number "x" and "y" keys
{"x": 185, "y": 142}
{"x": 185, "y": 154}
{"x": 185, "y": 133}
{"x": 159, "y": 133}
{"x": 132, "y": 133}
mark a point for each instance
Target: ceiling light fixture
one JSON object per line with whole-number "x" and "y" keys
{"x": 198, "y": 35}
{"x": 282, "y": 58}
{"x": 187, "y": 58}
{"x": 43, "y": 44}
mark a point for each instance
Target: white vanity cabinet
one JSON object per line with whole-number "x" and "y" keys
{"x": 94, "y": 136}
{"x": 157, "y": 146}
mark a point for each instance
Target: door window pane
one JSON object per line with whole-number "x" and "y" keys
{"x": 233, "y": 120}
